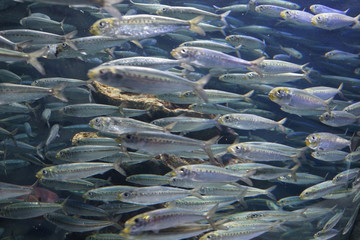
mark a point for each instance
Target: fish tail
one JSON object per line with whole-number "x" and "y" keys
{"x": 118, "y": 168}
{"x": 303, "y": 67}
{"x": 280, "y": 125}
{"x": 33, "y": 59}
{"x": 108, "y": 6}
{"x": 269, "y": 192}
{"x": 307, "y": 76}
{"x": 210, "y": 214}
{"x": 199, "y": 87}
{"x": 223, "y": 17}
{"x": 24, "y": 44}
{"x": 222, "y": 30}
{"x": 248, "y": 95}
{"x": 195, "y": 193}
{"x": 68, "y": 37}
{"x": 357, "y": 22}
{"x": 207, "y": 149}
{"x": 217, "y": 8}
{"x": 58, "y": 92}
{"x": 194, "y": 25}
{"x": 255, "y": 65}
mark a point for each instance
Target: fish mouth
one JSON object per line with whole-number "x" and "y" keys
{"x": 174, "y": 53}
{"x": 313, "y": 22}
{"x": 38, "y": 175}
{"x": 91, "y": 74}
{"x": 230, "y": 150}
{"x": 272, "y": 96}
{"x": 282, "y": 14}
{"x": 93, "y": 30}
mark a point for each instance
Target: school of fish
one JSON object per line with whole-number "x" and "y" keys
{"x": 257, "y": 136}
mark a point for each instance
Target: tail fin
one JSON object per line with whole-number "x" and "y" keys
{"x": 67, "y": 39}
{"x": 269, "y": 192}
{"x": 108, "y": 6}
{"x": 357, "y": 22}
{"x": 58, "y": 92}
{"x": 34, "y": 62}
{"x": 255, "y": 65}
{"x": 199, "y": 87}
{"x": 280, "y": 125}
{"x": 118, "y": 168}
{"x": 307, "y": 76}
{"x": 194, "y": 25}
{"x": 248, "y": 95}
{"x": 223, "y": 16}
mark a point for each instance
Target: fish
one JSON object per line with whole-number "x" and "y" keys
{"x": 136, "y": 27}
{"x": 14, "y": 93}
{"x": 146, "y": 80}
{"x": 207, "y": 58}
{"x": 333, "y": 21}
{"x": 324, "y": 141}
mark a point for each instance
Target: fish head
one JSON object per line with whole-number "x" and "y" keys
{"x": 182, "y": 172}
{"x": 187, "y": 94}
{"x": 279, "y": 94}
{"x": 89, "y": 195}
{"x": 163, "y": 11}
{"x": 101, "y": 26}
{"x": 287, "y": 14}
{"x": 305, "y": 194}
{"x": 182, "y": 53}
{"x": 99, "y": 122}
{"x": 44, "y": 173}
{"x": 227, "y": 118}
{"x": 136, "y": 224}
{"x": 237, "y": 149}
{"x": 102, "y": 74}
{"x": 127, "y": 138}
{"x": 260, "y": 8}
{"x": 326, "y": 116}
{"x": 313, "y": 140}
{"x": 318, "y": 20}
{"x": 126, "y": 195}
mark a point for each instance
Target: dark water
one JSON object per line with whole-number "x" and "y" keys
{"x": 312, "y": 42}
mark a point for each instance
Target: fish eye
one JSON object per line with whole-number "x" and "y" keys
{"x": 183, "y": 51}
{"x": 227, "y": 117}
{"x": 91, "y": 194}
{"x": 45, "y": 172}
{"x": 187, "y": 94}
{"x": 102, "y": 24}
{"x": 97, "y": 120}
{"x": 126, "y": 194}
{"x": 164, "y": 9}
{"x": 238, "y": 147}
{"x": 318, "y": 18}
{"x": 128, "y": 136}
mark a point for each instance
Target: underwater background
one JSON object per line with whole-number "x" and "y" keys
{"x": 270, "y": 101}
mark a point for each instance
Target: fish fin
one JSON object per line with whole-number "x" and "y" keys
{"x": 118, "y": 168}
{"x": 237, "y": 48}
{"x": 67, "y": 39}
{"x": 207, "y": 149}
{"x": 222, "y": 30}
{"x": 108, "y": 6}
{"x": 195, "y": 193}
{"x": 33, "y": 59}
{"x": 307, "y": 76}
{"x": 254, "y": 65}
{"x": 21, "y": 45}
{"x": 210, "y": 214}
{"x": 281, "y": 123}
{"x": 194, "y": 25}
{"x": 137, "y": 43}
{"x": 248, "y": 95}
{"x": 199, "y": 87}
{"x": 223, "y": 16}
{"x": 269, "y": 192}
{"x": 303, "y": 67}
{"x": 58, "y": 92}
{"x": 214, "y": 6}
{"x": 357, "y": 22}
{"x": 187, "y": 67}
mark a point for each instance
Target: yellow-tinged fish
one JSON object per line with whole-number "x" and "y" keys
{"x": 143, "y": 26}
